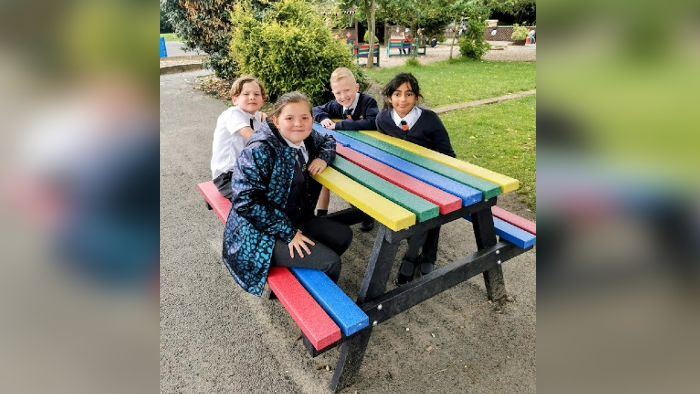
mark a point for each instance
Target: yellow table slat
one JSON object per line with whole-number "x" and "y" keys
{"x": 505, "y": 182}
{"x": 384, "y": 211}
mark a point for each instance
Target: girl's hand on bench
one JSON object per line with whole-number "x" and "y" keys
{"x": 298, "y": 243}
{"x": 327, "y": 123}
{"x": 317, "y": 165}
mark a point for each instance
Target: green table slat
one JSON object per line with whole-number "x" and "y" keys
{"x": 489, "y": 189}
{"x": 423, "y": 209}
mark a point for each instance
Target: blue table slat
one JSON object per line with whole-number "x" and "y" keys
{"x": 468, "y": 194}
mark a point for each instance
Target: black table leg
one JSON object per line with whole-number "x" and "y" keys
{"x": 374, "y": 283}
{"x": 482, "y": 221}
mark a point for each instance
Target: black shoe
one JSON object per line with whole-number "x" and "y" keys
{"x": 425, "y": 268}
{"x": 321, "y": 212}
{"x": 405, "y": 273}
{"x": 367, "y": 226}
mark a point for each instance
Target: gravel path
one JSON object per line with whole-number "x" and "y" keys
{"x": 503, "y": 51}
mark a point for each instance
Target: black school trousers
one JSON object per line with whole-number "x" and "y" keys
{"x": 331, "y": 240}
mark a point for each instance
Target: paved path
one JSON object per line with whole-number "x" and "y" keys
{"x": 452, "y": 107}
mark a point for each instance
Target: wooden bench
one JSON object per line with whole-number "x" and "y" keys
{"x": 404, "y": 48}
{"x": 362, "y": 51}
{"x": 323, "y": 312}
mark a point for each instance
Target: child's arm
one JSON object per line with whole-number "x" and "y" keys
{"x": 323, "y": 113}
{"x": 441, "y": 140}
{"x": 324, "y": 147}
{"x": 250, "y": 181}
{"x": 246, "y": 132}
{"x": 368, "y": 111}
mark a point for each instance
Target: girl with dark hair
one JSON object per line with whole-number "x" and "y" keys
{"x": 402, "y": 118}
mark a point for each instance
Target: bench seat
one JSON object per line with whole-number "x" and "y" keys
{"x": 344, "y": 312}
{"x": 321, "y": 309}
{"x": 314, "y": 322}
{"x": 515, "y": 235}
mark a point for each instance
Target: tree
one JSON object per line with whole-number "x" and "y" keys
{"x": 165, "y": 26}
{"x": 477, "y": 11}
{"x": 518, "y": 8}
{"x": 289, "y": 48}
{"x": 206, "y": 25}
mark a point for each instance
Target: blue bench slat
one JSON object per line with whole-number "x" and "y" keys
{"x": 344, "y": 312}
{"x": 512, "y": 234}
{"x": 468, "y": 194}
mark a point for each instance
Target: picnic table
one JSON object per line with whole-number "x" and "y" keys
{"x": 408, "y": 190}
{"x": 435, "y": 189}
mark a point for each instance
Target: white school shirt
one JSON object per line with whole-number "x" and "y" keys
{"x": 411, "y": 117}
{"x": 353, "y": 105}
{"x": 228, "y": 143}
{"x": 301, "y": 146}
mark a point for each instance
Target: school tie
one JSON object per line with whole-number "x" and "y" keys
{"x": 348, "y": 113}
{"x": 251, "y": 124}
{"x": 404, "y": 125}
{"x": 301, "y": 160}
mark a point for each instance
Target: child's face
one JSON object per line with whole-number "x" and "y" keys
{"x": 403, "y": 99}
{"x": 250, "y": 100}
{"x": 294, "y": 122}
{"x": 345, "y": 91}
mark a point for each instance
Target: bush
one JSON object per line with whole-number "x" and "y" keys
{"x": 472, "y": 44}
{"x": 290, "y": 49}
{"x": 412, "y": 62}
{"x": 366, "y": 38}
{"x": 519, "y": 32}
{"x": 206, "y": 25}
{"x": 165, "y": 26}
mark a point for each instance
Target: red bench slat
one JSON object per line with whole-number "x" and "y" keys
{"x": 220, "y": 204}
{"x": 514, "y": 219}
{"x": 318, "y": 327}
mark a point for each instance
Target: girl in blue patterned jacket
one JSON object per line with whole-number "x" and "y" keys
{"x": 272, "y": 218}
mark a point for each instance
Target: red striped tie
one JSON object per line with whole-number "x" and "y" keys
{"x": 404, "y": 125}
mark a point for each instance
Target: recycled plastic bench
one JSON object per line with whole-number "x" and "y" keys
{"x": 321, "y": 309}
{"x": 407, "y": 189}
{"x": 362, "y": 50}
{"x": 402, "y": 45}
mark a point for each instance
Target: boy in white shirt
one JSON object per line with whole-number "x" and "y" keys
{"x": 233, "y": 129}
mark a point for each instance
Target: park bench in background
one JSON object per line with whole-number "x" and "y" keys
{"x": 362, "y": 51}
{"x": 404, "y": 47}
{"x": 407, "y": 189}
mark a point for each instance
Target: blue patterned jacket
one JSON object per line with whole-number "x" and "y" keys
{"x": 261, "y": 182}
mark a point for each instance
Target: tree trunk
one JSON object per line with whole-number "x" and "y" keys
{"x": 454, "y": 37}
{"x": 370, "y": 27}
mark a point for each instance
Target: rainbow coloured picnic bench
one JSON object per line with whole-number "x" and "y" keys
{"x": 405, "y": 47}
{"x": 362, "y": 51}
{"x": 407, "y": 189}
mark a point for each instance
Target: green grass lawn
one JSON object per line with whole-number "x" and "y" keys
{"x": 444, "y": 83}
{"x": 171, "y": 37}
{"x": 500, "y": 137}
